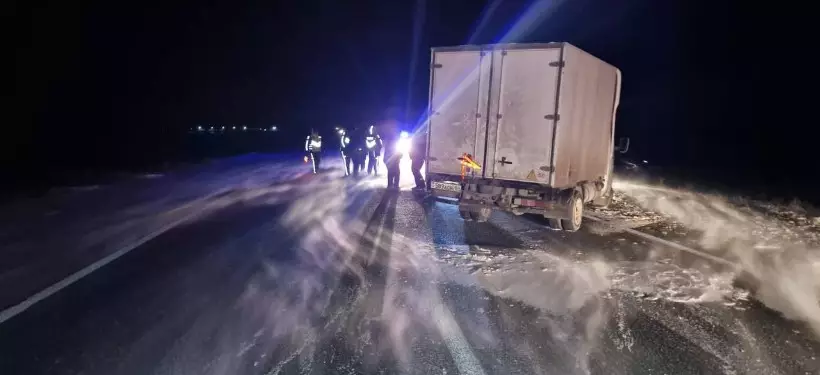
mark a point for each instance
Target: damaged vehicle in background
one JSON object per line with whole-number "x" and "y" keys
{"x": 523, "y": 128}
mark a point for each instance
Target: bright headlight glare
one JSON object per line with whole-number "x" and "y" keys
{"x": 403, "y": 145}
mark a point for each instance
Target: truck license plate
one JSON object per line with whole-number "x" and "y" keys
{"x": 446, "y": 186}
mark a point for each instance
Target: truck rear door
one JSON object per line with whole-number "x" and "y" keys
{"x": 458, "y": 102}
{"x": 526, "y": 115}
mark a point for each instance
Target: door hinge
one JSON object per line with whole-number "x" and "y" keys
{"x": 559, "y": 64}
{"x": 503, "y": 53}
{"x": 477, "y": 115}
{"x": 545, "y": 168}
{"x": 482, "y": 53}
{"x": 437, "y": 65}
{"x": 555, "y": 117}
{"x": 498, "y": 116}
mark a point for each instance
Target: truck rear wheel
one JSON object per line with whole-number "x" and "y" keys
{"x": 576, "y": 213}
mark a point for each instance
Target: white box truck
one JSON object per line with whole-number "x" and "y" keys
{"x": 524, "y": 128}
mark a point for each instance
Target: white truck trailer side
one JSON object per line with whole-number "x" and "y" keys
{"x": 537, "y": 120}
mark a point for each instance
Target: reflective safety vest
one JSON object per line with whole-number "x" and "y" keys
{"x": 313, "y": 143}
{"x": 370, "y": 141}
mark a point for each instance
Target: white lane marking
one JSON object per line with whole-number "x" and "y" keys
{"x": 13, "y": 311}
{"x": 460, "y": 351}
{"x": 670, "y": 244}
{"x": 47, "y": 292}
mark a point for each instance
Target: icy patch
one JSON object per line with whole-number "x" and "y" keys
{"x": 776, "y": 245}
{"x": 559, "y": 285}
{"x": 668, "y": 281}
{"x": 547, "y": 282}
{"x": 624, "y": 340}
{"x": 625, "y": 212}
{"x": 718, "y": 218}
{"x": 454, "y": 249}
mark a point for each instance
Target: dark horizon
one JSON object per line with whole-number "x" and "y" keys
{"x": 108, "y": 86}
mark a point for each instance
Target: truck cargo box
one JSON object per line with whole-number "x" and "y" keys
{"x": 527, "y": 113}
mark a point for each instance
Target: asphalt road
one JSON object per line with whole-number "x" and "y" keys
{"x": 326, "y": 275}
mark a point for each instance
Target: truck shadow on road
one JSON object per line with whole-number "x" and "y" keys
{"x": 448, "y": 228}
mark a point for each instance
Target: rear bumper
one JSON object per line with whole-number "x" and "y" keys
{"x": 555, "y": 210}
{"x": 504, "y": 196}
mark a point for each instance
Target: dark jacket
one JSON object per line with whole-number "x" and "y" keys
{"x": 357, "y": 142}
{"x": 419, "y": 149}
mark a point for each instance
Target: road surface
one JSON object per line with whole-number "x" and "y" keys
{"x": 256, "y": 267}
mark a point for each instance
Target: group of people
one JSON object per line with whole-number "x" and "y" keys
{"x": 368, "y": 146}
{"x": 361, "y": 147}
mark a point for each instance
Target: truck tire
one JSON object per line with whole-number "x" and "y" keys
{"x": 482, "y": 215}
{"x": 576, "y": 213}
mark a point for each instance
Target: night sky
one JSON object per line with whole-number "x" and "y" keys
{"x": 709, "y": 86}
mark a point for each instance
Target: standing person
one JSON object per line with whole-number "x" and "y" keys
{"x": 374, "y": 149}
{"x": 390, "y": 136}
{"x": 344, "y": 140}
{"x": 313, "y": 146}
{"x": 418, "y": 153}
{"x": 356, "y": 151}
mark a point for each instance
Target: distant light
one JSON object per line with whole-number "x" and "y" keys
{"x": 645, "y": 162}
{"x": 234, "y": 127}
{"x": 244, "y": 127}
{"x": 223, "y": 128}
{"x": 264, "y": 130}
{"x": 273, "y": 128}
{"x": 199, "y": 127}
{"x": 404, "y": 134}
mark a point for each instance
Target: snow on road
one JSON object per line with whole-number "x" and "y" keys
{"x": 777, "y": 246}
{"x": 582, "y": 281}
{"x": 49, "y": 243}
{"x": 551, "y": 271}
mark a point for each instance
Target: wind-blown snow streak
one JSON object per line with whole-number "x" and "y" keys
{"x": 782, "y": 256}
